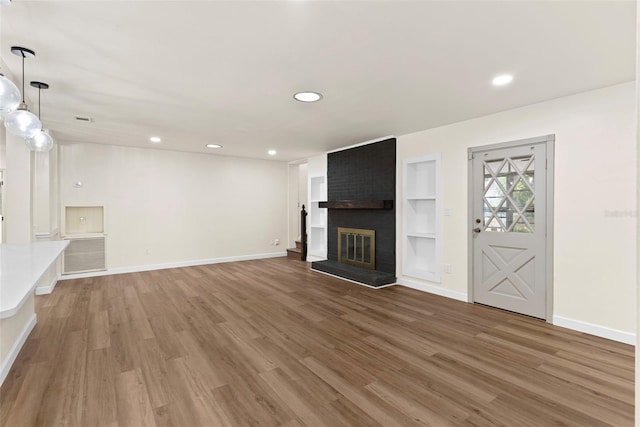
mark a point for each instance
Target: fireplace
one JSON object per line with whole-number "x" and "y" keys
{"x": 357, "y": 247}
{"x": 361, "y": 193}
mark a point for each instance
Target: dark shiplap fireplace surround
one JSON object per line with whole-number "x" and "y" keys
{"x": 361, "y": 187}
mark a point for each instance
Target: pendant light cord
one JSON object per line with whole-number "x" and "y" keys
{"x": 23, "y": 77}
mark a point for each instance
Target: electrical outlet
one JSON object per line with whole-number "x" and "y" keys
{"x": 447, "y": 268}
{"x": 276, "y": 242}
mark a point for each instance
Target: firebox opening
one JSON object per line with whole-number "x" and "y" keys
{"x": 357, "y": 247}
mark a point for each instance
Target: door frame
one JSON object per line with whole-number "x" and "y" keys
{"x": 549, "y": 141}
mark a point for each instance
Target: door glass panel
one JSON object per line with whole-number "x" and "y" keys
{"x": 494, "y": 224}
{"x": 509, "y": 198}
{"x": 523, "y": 164}
{"x": 492, "y": 167}
{"x": 494, "y": 194}
{"x": 521, "y": 226}
{"x": 521, "y": 194}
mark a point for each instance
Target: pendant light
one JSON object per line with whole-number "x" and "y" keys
{"x": 9, "y": 96}
{"x": 41, "y": 140}
{"x": 21, "y": 122}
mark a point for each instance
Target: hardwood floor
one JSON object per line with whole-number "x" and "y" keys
{"x": 270, "y": 343}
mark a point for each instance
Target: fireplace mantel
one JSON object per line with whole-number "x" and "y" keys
{"x": 358, "y": 204}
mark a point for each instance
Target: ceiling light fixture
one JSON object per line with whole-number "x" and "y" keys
{"x": 155, "y": 139}
{"x": 502, "y": 80}
{"x": 214, "y": 146}
{"x": 22, "y": 122}
{"x": 9, "y": 96}
{"x": 272, "y": 152}
{"x": 41, "y": 140}
{"x": 307, "y": 96}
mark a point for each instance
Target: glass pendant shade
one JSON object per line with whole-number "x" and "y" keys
{"x": 41, "y": 141}
{"x": 22, "y": 123}
{"x": 9, "y": 96}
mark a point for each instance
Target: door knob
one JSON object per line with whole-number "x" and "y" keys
{"x": 478, "y": 220}
{"x": 477, "y": 229}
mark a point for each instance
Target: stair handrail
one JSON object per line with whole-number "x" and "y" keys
{"x": 303, "y": 233}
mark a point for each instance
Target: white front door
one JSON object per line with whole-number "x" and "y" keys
{"x": 509, "y": 226}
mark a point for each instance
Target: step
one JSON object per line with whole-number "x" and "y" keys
{"x": 298, "y": 244}
{"x": 294, "y": 253}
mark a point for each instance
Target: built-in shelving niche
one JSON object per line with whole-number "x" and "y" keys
{"x": 422, "y": 233}
{"x": 317, "y": 239}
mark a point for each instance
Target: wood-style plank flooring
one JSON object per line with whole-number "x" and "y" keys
{"x": 270, "y": 343}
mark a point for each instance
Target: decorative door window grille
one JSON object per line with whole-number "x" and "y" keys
{"x": 509, "y": 196}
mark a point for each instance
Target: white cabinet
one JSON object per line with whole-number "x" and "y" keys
{"x": 422, "y": 230}
{"x": 317, "y": 219}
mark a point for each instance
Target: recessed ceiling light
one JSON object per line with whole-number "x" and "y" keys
{"x": 307, "y": 96}
{"x": 503, "y": 79}
{"x": 155, "y": 139}
{"x": 272, "y": 152}
{"x": 214, "y": 146}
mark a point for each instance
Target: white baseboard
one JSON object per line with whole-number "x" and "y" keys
{"x": 191, "y": 263}
{"x": 460, "y": 296}
{"x": 576, "y": 325}
{"x": 44, "y": 290}
{"x": 597, "y": 330}
{"x": 15, "y": 349}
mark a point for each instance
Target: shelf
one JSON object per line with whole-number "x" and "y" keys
{"x": 318, "y": 188}
{"x": 70, "y": 236}
{"x": 421, "y": 198}
{"x": 424, "y": 274}
{"x": 421, "y": 216}
{"x": 420, "y": 174}
{"x": 421, "y": 235}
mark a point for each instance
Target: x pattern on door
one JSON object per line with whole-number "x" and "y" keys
{"x": 508, "y": 271}
{"x": 509, "y": 200}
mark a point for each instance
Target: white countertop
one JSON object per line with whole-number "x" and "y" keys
{"x": 21, "y": 266}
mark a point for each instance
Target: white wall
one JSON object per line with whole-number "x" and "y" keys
{"x": 41, "y": 203}
{"x": 3, "y": 165}
{"x": 595, "y": 197}
{"x": 297, "y": 198}
{"x": 168, "y": 207}
{"x": 18, "y": 191}
{"x": 303, "y": 187}
{"x": 294, "y": 227}
{"x": 638, "y": 212}
{"x": 317, "y": 165}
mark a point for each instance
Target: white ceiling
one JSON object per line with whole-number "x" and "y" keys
{"x": 198, "y": 72}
